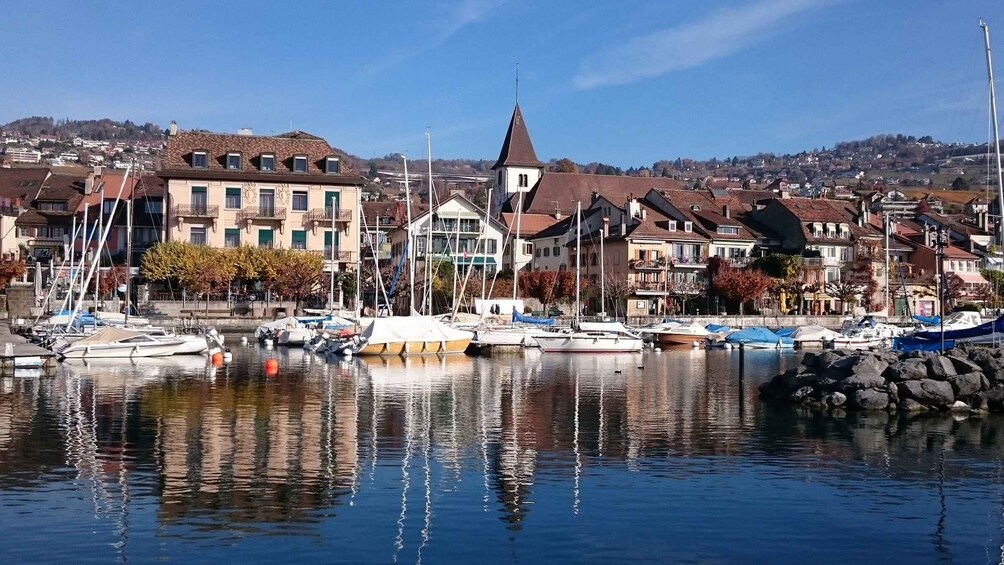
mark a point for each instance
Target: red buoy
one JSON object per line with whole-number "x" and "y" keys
{"x": 217, "y": 359}
{"x": 271, "y": 367}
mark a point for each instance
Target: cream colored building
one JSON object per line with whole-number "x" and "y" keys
{"x": 288, "y": 191}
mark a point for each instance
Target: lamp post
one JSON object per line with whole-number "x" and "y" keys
{"x": 939, "y": 251}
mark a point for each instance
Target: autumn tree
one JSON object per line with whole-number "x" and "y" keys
{"x": 166, "y": 262}
{"x": 10, "y": 269}
{"x": 846, "y": 292}
{"x": 206, "y": 272}
{"x": 293, "y": 273}
{"x": 112, "y": 279}
{"x": 565, "y": 165}
{"x": 547, "y": 286}
{"x": 742, "y": 285}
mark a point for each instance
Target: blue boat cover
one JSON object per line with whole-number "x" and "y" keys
{"x": 914, "y": 344}
{"x": 715, "y": 328}
{"x": 518, "y": 318}
{"x": 757, "y": 334}
{"x": 785, "y": 332}
{"x": 928, "y": 320}
{"x": 989, "y": 328}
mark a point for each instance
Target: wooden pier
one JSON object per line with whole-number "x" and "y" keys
{"x": 17, "y": 353}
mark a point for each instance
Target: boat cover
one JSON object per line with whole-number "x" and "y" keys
{"x": 757, "y": 334}
{"x": 928, "y": 320}
{"x": 411, "y": 328}
{"x": 813, "y": 333}
{"x": 518, "y": 318}
{"x": 281, "y": 323}
{"x": 603, "y": 327}
{"x": 914, "y": 344}
{"x": 110, "y": 334}
{"x": 717, "y": 329}
{"x": 785, "y": 332}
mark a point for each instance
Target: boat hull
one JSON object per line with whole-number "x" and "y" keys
{"x": 667, "y": 338}
{"x": 415, "y": 347}
{"x": 571, "y": 343}
{"x": 120, "y": 351}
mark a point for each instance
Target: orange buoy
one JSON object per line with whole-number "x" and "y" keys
{"x": 217, "y": 359}
{"x": 271, "y": 367}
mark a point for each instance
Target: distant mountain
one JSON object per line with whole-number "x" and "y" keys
{"x": 99, "y": 130}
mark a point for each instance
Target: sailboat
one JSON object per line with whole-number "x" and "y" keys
{"x": 589, "y": 337}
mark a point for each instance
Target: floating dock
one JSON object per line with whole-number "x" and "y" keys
{"x": 17, "y": 353}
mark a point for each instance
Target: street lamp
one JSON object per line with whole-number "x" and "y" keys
{"x": 940, "y": 242}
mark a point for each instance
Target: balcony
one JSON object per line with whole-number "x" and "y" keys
{"x": 270, "y": 213}
{"x": 196, "y": 211}
{"x": 689, "y": 261}
{"x": 339, "y": 215}
{"x": 340, "y": 256}
{"x": 648, "y": 265}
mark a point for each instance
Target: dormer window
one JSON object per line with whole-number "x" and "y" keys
{"x": 688, "y": 227}
{"x": 267, "y": 162}
{"x": 817, "y": 230}
{"x": 728, "y": 230}
{"x": 843, "y": 231}
{"x": 695, "y": 208}
{"x": 332, "y": 165}
{"x": 299, "y": 163}
{"x": 672, "y": 225}
{"x": 831, "y": 230}
{"x": 234, "y": 161}
{"x": 200, "y": 160}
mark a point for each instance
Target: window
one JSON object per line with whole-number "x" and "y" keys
{"x": 200, "y": 199}
{"x": 500, "y": 178}
{"x": 328, "y": 249}
{"x": 106, "y": 206}
{"x": 234, "y": 161}
{"x": 200, "y": 160}
{"x": 25, "y": 231}
{"x": 672, "y": 225}
{"x": 556, "y": 251}
{"x": 52, "y": 206}
{"x": 817, "y": 230}
{"x": 843, "y": 231}
{"x": 332, "y": 166}
{"x": 728, "y": 230}
{"x": 299, "y": 164}
{"x": 233, "y": 201}
{"x": 267, "y": 162}
{"x": 232, "y": 237}
{"x": 547, "y": 251}
{"x": 299, "y": 201}
{"x": 832, "y": 275}
{"x": 688, "y": 227}
{"x": 153, "y": 206}
{"x": 198, "y": 236}
{"x": 846, "y": 254}
{"x": 491, "y": 246}
{"x": 719, "y": 252}
{"x": 537, "y": 254}
{"x": 523, "y": 180}
{"x": 299, "y": 239}
{"x": 831, "y": 230}
{"x": 527, "y": 248}
{"x": 265, "y": 238}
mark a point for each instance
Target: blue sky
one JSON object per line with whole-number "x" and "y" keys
{"x": 621, "y": 82}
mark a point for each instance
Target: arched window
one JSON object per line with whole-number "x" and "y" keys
{"x": 524, "y": 180}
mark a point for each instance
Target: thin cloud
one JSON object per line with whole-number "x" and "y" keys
{"x": 689, "y": 45}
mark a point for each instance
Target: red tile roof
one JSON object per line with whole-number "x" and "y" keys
{"x": 529, "y": 224}
{"x": 560, "y": 191}
{"x": 21, "y": 184}
{"x": 517, "y": 149}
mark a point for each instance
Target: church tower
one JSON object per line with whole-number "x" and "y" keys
{"x": 517, "y": 169}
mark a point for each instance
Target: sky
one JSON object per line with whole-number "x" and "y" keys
{"x": 620, "y": 82}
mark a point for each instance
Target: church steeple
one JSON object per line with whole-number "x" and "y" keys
{"x": 517, "y": 149}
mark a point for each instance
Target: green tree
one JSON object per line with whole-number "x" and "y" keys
{"x": 960, "y": 184}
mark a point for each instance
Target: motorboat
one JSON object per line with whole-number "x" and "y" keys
{"x": 866, "y": 333}
{"x": 813, "y": 336}
{"x": 190, "y": 344}
{"x": 716, "y": 335}
{"x": 953, "y": 321}
{"x": 115, "y": 342}
{"x": 523, "y": 332}
{"x": 592, "y": 337}
{"x": 757, "y": 337}
{"x": 294, "y": 336}
{"x": 989, "y": 333}
{"x": 677, "y": 333}
{"x": 408, "y": 335}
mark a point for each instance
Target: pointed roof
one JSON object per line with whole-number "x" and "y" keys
{"x": 517, "y": 149}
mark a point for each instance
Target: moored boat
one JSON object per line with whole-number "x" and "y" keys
{"x": 118, "y": 343}
{"x": 592, "y": 337}
{"x": 410, "y": 335}
{"x": 757, "y": 337}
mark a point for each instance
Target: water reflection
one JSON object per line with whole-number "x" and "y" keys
{"x": 414, "y": 453}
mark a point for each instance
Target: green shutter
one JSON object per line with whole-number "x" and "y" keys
{"x": 299, "y": 239}
{"x": 265, "y": 238}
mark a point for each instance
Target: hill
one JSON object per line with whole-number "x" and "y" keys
{"x": 98, "y": 130}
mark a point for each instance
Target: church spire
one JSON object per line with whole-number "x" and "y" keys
{"x": 517, "y": 149}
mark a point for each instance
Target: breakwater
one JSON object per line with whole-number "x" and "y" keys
{"x": 961, "y": 379}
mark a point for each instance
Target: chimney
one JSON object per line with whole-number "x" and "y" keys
{"x": 725, "y": 211}
{"x": 557, "y": 213}
{"x": 89, "y": 184}
{"x": 606, "y": 228}
{"x": 594, "y": 197}
{"x": 623, "y": 228}
{"x": 865, "y": 213}
{"x": 172, "y": 129}
{"x": 245, "y": 131}
{"x": 643, "y": 214}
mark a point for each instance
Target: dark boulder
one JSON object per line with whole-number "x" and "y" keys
{"x": 810, "y": 359}
{"x": 928, "y": 392}
{"x": 856, "y": 382}
{"x": 870, "y": 399}
{"x": 964, "y": 385}
{"x": 995, "y": 398}
{"x": 893, "y": 392}
{"x": 794, "y": 380}
{"x": 940, "y": 368}
{"x": 910, "y": 405}
{"x": 869, "y": 365}
{"x": 803, "y": 394}
{"x": 835, "y": 399}
{"x": 907, "y": 370}
{"x": 963, "y": 365}
{"x": 827, "y": 358}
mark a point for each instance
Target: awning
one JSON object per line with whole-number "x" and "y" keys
{"x": 475, "y": 260}
{"x": 970, "y": 278}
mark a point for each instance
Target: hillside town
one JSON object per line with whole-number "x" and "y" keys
{"x": 657, "y": 241}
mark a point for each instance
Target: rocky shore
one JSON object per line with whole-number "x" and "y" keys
{"x": 961, "y": 379}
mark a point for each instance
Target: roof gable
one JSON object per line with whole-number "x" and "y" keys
{"x": 517, "y": 149}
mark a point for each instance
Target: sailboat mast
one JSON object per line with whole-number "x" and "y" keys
{"x": 515, "y": 246}
{"x": 128, "y": 281}
{"x": 603, "y": 272}
{"x": 411, "y": 242}
{"x": 428, "y": 232}
{"x": 578, "y": 256}
{"x": 73, "y": 246}
{"x": 997, "y": 135}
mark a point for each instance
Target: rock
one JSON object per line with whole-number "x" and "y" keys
{"x": 855, "y": 382}
{"x": 940, "y": 368}
{"x": 910, "y": 369}
{"x": 964, "y": 385}
{"x": 984, "y": 382}
{"x": 928, "y": 392}
{"x": 794, "y": 380}
{"x": 910, "y": 405}
{"x": 995, "y": 398}
{"x": 869, "y": 365}
{"x": 826, "y": 383}
{"x": 922, "y": 355}
{"x": 803, "y": 394}
{"x": 774, "y": 389}
{"x": 963, "y": 366}
{"x": 958, "y": 353}
{"x": 810, "y": 359}
{"x": 888, "y": 356}
{"x": 996, "y": 376}
{"x": 978, "y": 401}
{"x": 827, "y": 358}
{"x": 836, "y": 399}
{"x": 870, "y": 399}
{"x": 959, "y": 405}
{"x": 893, "y": 391}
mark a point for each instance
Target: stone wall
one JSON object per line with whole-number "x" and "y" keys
{"x": 20, "y": 299}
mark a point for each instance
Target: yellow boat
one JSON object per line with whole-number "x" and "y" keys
{"x": 411, "y": 335}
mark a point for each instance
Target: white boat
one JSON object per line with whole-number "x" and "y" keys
{"x": 295, "y": 336}
{"x": 190, "y": 344}
{"x": 118, "y": 343}
{"x": 955, "y": 321}
{"x": 678, "y": 333}
{"x": 516, "y": 336}
{"x": 865, "y": 334}
{"x": 592, "y": 337}
{"x": 813, "y": 336}
{"x": 409, "y": 335}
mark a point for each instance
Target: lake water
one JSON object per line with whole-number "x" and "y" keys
{"x": 546, "y": 458}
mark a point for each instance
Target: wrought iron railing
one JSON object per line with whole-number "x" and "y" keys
{"x": 196, "y": 211}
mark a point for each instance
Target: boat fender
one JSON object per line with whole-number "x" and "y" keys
{"x": 228, "y": 356}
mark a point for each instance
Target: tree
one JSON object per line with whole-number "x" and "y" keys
{"x": 846, "y": 292}
{"x": 779, "y": 266}
{"x": 742, "y": 285}
{"x": 10, "y": 269}
{"x": 960, "y": 184}
{"x": 167, "y": 261}
{"x": 110, "y": 281}
{"x": 206, "y": 272}
{"x": 565, "y": 165}
{"x": 293, "y": 273}
{"x": 547, "y": 286}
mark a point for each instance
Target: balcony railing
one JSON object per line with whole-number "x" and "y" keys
{"x": 689, "y": 260}
{"x": 261, "y": 213}
{"x": 340, "y": 256}
{"x": 649, "y": 265}
{"x": 196, "y": 211}
{"x": 329, "y": 214}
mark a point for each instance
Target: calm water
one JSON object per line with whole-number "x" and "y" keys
{"x": 651, "y": 457}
